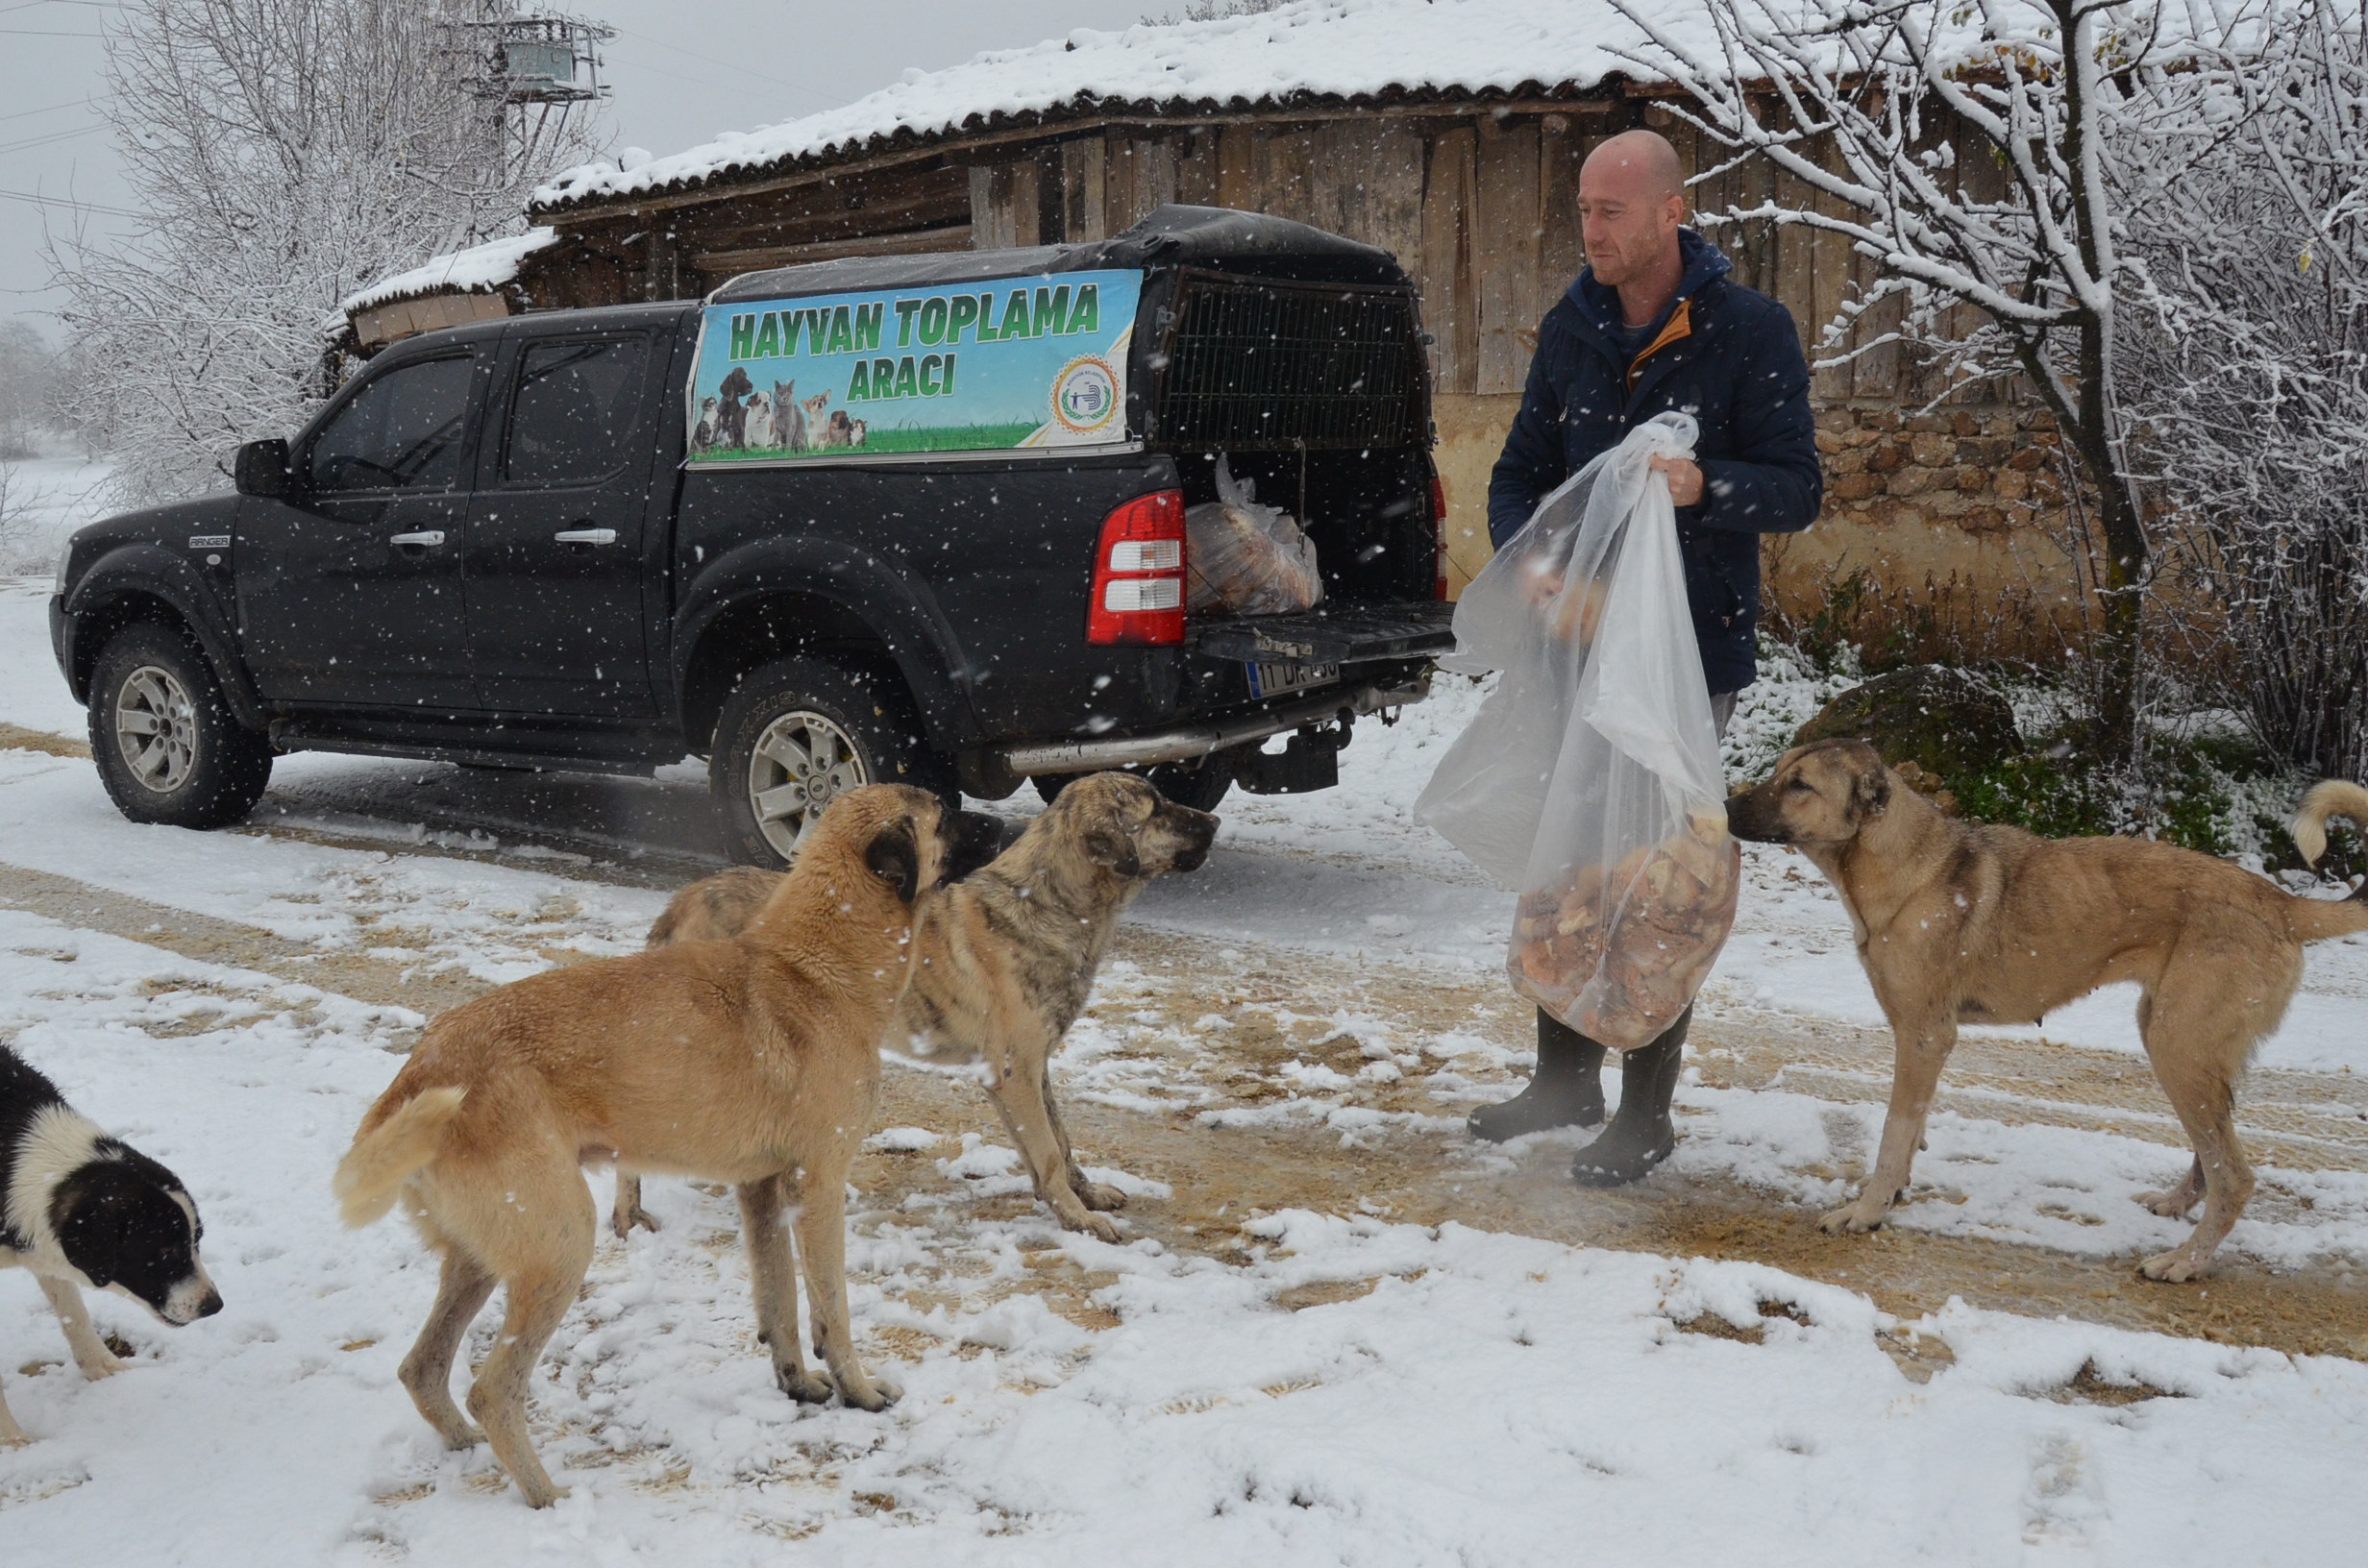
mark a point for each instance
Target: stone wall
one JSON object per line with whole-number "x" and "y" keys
{"x": 1959, "y": 511}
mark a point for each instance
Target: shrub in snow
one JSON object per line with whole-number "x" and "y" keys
{"x": 2248, "y": 378}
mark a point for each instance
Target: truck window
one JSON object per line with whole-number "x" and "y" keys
{"x": 402, "y": 432}
{"x": 574, "y": 410}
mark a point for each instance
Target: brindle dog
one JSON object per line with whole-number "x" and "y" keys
{"x": 1956, "y": 921}
{"x": 1007, "y": 957}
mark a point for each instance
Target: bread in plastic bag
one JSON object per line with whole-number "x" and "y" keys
{"x": 1589, "y": 779}
{"x": 1246, "y": 559}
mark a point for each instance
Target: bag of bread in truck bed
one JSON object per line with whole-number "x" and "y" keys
{"x": 1244, "y": 558}
{"x": 1589, "y": 779}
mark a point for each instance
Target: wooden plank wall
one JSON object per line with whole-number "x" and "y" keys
{"x": 1481, "y": 209}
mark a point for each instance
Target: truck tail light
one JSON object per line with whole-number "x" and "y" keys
{"x": 1438, "y": 532}
{"x": 1139, "y": 574}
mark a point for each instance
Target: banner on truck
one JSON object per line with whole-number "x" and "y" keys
{"x": 1007, "y": 364}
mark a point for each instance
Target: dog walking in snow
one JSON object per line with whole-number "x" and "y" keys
{"x": 753, "y": 1061}
{"x": 1964, "y": 923}
{"x": 86, "y": 1211}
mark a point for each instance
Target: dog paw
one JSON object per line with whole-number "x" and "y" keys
{"x": 100, "y": 1364}
{"x": 1100, "y": 1196}
{"x": 2176, "y": 1266}
{"x": 1100, "y": 1227}
{"x": 545, "y": 1495}
{"x": 626, "y": 1222}
{"x": 804, "y": 1387}
{"x": 871, "y": 1393}
{"x": 2172, "y": 1205}
{"x": 1855, "y": 1220}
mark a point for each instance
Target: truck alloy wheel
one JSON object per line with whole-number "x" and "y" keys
{"x": 798, "y": 766}
{"x": 167, "y": 746}
{"x": 156, "y": 728}
{"x": 797, "y": 734}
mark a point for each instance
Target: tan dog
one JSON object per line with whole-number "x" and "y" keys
{"x": 753, "y": 1061}
{"x": 1956, "y": 921}
{"x": 1007, "y": 957}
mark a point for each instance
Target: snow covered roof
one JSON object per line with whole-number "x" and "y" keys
{"x": 477, "y": 270}
{"x": 1316, "y": 52}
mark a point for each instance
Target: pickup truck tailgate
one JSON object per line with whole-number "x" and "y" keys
{"x": 1328, "y": 634}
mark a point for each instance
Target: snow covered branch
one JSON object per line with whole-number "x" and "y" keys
{"x": 285, "y": 153}
{"x": 1986, "y": 154}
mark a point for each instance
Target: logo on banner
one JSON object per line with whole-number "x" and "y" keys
{"x": 1085, "y": 395}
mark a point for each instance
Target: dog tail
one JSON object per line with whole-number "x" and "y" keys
{"x": 2329, "y": 797}
{"x": 2316, "y": 920}
{"x": 391, "y": 1153}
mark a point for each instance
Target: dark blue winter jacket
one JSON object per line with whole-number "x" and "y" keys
{"x": 1721, "y": 352}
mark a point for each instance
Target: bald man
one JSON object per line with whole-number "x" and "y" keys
{"x": 1654, "y": 324}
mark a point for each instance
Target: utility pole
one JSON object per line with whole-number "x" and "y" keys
{"x": 533, "y": 69}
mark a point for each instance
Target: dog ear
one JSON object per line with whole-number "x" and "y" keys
{"x": 1870, "y": 794}
{"x": 895, "y": 858}
{"x": 79, "y": 1217}
{"x": 1114, "y": 849}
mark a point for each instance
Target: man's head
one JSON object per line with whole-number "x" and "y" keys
{"x": 1632, "y": 199}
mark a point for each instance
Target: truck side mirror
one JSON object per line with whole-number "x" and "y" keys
{"x": 262, "y": 467}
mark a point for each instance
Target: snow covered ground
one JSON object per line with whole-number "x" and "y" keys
{"x": 1280, "y": 1385}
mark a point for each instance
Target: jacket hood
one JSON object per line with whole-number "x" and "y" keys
{"x": 1599, "y": 302}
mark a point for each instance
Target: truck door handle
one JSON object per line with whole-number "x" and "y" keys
{"x": 587, "y": 536}
{"x": 431, "y": 538}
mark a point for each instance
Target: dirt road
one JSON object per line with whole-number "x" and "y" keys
{"x": 1249, "y": 1083}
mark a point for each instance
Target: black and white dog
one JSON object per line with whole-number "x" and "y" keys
{"x": 83, "y": 1209}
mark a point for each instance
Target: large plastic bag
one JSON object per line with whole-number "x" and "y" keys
{"x": 1589, "y": 779}
{"x": 1246, "y": 559}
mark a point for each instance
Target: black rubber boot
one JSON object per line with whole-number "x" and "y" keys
{"x": 1566, "y": 1090}
{"x": 1641, "y": 1134}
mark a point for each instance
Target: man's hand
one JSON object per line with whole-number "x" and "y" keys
{"x": 1684, "y": 478}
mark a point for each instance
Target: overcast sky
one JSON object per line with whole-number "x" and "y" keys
{"x": 745, "y": 63}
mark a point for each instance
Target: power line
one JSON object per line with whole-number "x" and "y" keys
{"x": 28, "y": 113}
{"x": 59, "y": 201}
{"x": 54, "y": 136}
{"x": 43, "y": 33}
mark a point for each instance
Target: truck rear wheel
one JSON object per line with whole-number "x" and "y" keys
{"x": 167, "y": 746}
{"x": 797, "y": 733}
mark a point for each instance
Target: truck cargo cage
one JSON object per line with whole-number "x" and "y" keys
{"x": 1268, "y": 365}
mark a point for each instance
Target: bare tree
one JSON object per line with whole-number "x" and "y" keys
{"x": 28, "y": 386}
{"x": 1209, "y": 10}
{"x": 2246, "y": 376}
{"x": 1977, "y": 150}
{"x": 285, "y": 153}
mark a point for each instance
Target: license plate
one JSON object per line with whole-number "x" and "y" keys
{"x": 1274, "y": 679}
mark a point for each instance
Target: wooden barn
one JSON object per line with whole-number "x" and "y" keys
{"x": 1449, "y": 133}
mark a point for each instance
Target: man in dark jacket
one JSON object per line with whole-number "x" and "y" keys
{"x": 1653, "y": 323}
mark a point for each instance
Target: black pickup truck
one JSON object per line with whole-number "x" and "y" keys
{"x": 602, "y": 539}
